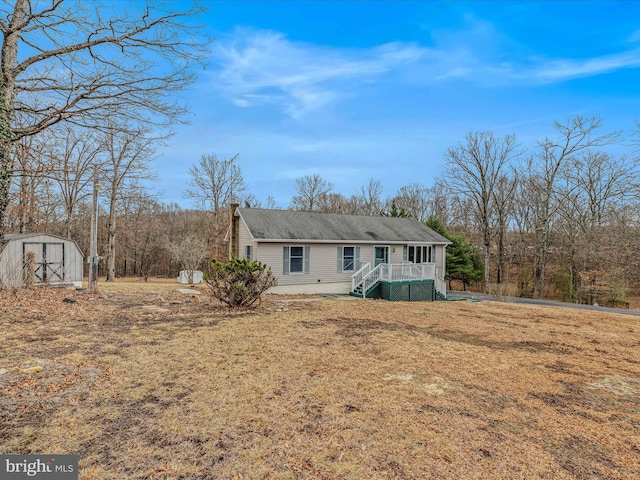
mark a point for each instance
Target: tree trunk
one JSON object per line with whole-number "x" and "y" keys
{"x": 487, "y": 257}
{"x": 539, "y": 268}
{"x": 500, "y": 277}
{"x": 9, "y": 60}
{"x": 67, "y": 224}
{"x": 5, "y": 178}
{"x": 111, "y": 245}
{"x": 6, "y": 166}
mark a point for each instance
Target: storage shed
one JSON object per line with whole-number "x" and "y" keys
{"x": 58, "y": 260}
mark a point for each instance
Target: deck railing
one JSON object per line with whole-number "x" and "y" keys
{"x": 368, "y": 277}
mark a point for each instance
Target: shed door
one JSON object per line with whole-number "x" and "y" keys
{"x": 49, "y": 260}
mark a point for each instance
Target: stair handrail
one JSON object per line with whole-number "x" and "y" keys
{"x": 371, "y": 278}
{"x": 356, "y": 278}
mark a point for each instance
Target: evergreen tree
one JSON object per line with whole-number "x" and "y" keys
{"x": 396, "y": 212}
{"x": 463, "y": 262}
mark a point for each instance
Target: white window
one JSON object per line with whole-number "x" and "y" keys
{"x": 419, "y": 254}
{"x": 295, "y": 260}
{"x": 348, "y": 259}
{"x": 248, "y": 253}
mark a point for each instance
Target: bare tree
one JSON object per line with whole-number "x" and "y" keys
{"x": 545, "y": 167}
{"x": 370, "y": 198}
{"x": 189, "y": 252}
{"x": 310, "y": 191}
{"x": 503, "y": 199}
{"x": 332, "y": 203}
{"x": 29, "y": 170}
{"x": 595, "y": 186}
{"x": 127, "y": 155}
{"x": 73, "y": 154}
{"x": 438, "y": 204}
{"x": 474, "y": 169}
{"x": 270, "y": 202}
{"x": 215, "y": 183}
{"x": 82, "y": 62}
{"x": 414, "y": 199}
{"x": 141, "y": 243}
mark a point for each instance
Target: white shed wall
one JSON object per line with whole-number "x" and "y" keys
{"x": 12, "y": 259}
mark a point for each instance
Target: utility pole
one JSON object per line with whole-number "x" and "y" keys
{"x": 93, "y": 243}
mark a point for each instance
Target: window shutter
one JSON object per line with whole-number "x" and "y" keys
{"x": 340, "y": 259}
{"x": 356, "y": 267}
{"x": 405, "y": 253}
{"x": 307, "y": 251}
{"x": 285, "y": 260}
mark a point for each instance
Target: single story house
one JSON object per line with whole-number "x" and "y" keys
{"x": 58, "y": 260}
{"x": 368, "y": 256}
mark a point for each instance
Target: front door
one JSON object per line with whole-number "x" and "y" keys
{"x": 380, "y": 255}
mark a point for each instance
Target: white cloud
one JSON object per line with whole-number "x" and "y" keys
{"x": 566, "y": 69}
{"x": 265, "y": 67}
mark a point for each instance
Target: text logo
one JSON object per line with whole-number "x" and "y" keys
{"x": 46, "y": 467}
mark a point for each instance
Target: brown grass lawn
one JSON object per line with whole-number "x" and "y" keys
{"x": 143, "y": 382}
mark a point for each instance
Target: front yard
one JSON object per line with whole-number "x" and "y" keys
{"x": 155, "y": 384}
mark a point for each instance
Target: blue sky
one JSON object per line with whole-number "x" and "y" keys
{"x": 374, "y": 89}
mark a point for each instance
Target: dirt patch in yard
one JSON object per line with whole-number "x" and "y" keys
{"x": 151, "y": 383}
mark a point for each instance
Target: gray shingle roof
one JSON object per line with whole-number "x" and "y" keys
{"x": 272, "y": 225}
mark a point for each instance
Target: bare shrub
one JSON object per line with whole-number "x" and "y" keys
{"x": 12, "y": 275}
{"x": 189, "y": 252}
{"x": 30, "y": 270}
{"x": 503, "y": 292}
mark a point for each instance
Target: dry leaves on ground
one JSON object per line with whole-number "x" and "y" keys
{"x": 150, "y": 383}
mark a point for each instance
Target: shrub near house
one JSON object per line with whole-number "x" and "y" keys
{"x": 240, "y": 282}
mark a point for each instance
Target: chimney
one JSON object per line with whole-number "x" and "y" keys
{"x": 234, "y": 231}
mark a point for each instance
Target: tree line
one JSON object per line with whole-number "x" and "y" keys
{"x": 556, "y": 218}
{"x": 553, "y": 219}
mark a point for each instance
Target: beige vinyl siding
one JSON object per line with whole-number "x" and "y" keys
{"x": 244, "y": 239}
{"x": 323, "y": 262}
{"x": 398, "y": 256}
{"x": 366, "y": 254}
{"x": 271, "y": 254}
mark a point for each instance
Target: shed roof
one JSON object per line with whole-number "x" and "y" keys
{"x": 20, "y": 236}
{"x": 9, "y": 237}
{"x": 279, "y": 225}
{"x": 17, "y": 236}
